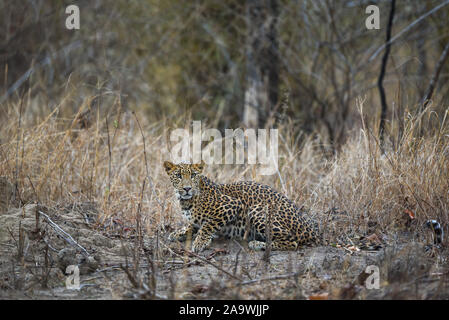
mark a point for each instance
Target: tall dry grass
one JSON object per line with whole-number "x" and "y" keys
{"x": 56, "y": 159}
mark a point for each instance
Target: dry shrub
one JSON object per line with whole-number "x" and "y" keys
{"x": 57, "y": 160}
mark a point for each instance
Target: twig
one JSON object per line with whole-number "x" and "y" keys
{"x": 67, "y": 237}
{"x": 32, "y": 187}
{"x": 139, "y": 237}
{"x": 46, "y": 61}
{"x": 237, "y": 261}
{"x": 438, "y": 7}
{"x": 142, "y": 265}
{"x": 185, "y": 260}
{"x": 433, "y": 81}
{"x": 143, "y": 286}
{"x": 213, "y": 265}
{"x": 152, "y": 280}
{"x": 268, "y": 227}
{"x": 16, "y": 173}
{"x": 150, "y": 179}
{"x": 109, "y": 161}
{"x": 131, "y": 278}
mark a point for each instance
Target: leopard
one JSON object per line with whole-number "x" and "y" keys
{"x": 244, "y": 210}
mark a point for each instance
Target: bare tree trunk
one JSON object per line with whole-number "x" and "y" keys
{"x": 262, "y": 62}
{"x": 433, "y": 82}
{"x": 383, "y": 99}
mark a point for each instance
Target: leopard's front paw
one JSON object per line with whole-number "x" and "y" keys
{"x": 199, "y": 245}
{"x": 177, "y": 236}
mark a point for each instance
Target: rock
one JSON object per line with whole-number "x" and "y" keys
{"x": 69, "y": 256}
{"x": 65, "y": 258}
{"x": 88, "y": 265}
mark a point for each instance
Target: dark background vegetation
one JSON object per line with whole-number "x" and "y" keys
{"x": 307, "y": 60}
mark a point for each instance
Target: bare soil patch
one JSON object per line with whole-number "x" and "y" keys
{"x": 120, "y": 265}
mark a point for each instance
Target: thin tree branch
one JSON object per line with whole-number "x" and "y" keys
{"x": 67, "y": 237}
{"x": 414, "y": 23}
{"x": 383, "y": 98}
{"x": 434, "y": 80}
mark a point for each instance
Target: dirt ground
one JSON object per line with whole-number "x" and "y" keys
{"x": 37, "y": 244}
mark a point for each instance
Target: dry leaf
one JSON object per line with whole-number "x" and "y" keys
{"x": 320, "y": 296}
{"x": 410, "y": 213}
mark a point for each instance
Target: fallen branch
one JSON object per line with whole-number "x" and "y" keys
{"x": 142, "y": 287}
{"x": 213, "y": 265}
{"x": 67, "y": 237}
{"x": 207, "y": 261}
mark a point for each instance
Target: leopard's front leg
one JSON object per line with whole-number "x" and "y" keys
{"x": 222, "y": 210}
{"x": 205, "y": 234}
{"x": 182, "y": 234}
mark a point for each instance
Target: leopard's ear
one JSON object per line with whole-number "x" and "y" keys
{"x": 169, "y": 167}
{"x": 198, "y": 166}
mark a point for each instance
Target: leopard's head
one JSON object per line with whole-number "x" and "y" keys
{"x": 185, "y": 178}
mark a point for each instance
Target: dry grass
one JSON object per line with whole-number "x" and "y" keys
{"x": 58, "y": 161}
{"x": 357, "y": 192}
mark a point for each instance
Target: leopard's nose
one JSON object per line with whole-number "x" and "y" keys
{"x": 187, "y": 189}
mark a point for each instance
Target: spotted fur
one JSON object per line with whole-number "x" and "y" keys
{"x": 237, "y": 210}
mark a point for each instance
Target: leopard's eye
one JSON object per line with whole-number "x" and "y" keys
{"x": 178, "y": 175}
{"x": 194, "y": 174}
